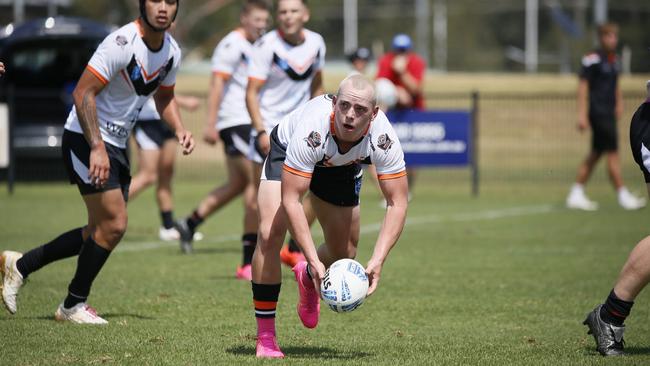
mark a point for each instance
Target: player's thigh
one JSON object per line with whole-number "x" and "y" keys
{"x": 273, "y": 222}
{"x": 148, "y": 162}
{"x": 340, "y": 225}
{"x": 239, "y": 169}
{"x": 107, "y": 211}
{"x": 167, "y": 158}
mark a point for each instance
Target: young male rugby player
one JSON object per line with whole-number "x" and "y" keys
{"x": 136, "y": 61}
{"x": 229, "y": 121}
{"x": 285, "y": 72}
{"x": 606, "y": 321}
{"x": 319, "y": 148}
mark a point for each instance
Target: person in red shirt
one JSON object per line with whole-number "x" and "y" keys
{"x": 405, "y": 69}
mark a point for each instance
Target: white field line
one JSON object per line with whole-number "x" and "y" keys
{"x": 375, "y": 227}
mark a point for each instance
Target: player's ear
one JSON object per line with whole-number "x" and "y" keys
{"x": 334, "y": 98}
{"x": 375, "y": 111}
{"x": 306, "y": 15}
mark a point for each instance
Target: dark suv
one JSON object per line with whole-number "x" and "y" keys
{"x": 44, "y": 59}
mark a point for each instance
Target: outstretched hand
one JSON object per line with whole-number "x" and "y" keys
{"x": 373, "y": 271}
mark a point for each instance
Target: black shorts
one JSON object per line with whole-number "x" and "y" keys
{"x": 339, "y": 185}
{"x": 604, "y": 135}
{"x": 152, "y": 134}
{"x": 640, "y": 139}
{"x": 236, "y": 140}
{"x": 76, "y": 157}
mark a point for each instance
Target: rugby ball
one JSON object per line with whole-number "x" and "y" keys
{"x": 344, "y": 286}
{"x": 386, "y": 93}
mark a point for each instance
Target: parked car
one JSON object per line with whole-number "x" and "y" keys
{"x": 44, "y": 59}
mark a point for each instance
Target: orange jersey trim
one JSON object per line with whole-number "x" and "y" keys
{"x": 296, "y": 172}
{"x": 224, "y": 75}
{"x": 265, "y": 305}
{"x": 391, "y": 176}
{"x": 167, "y": 87}
{"x": 97, "y": 74}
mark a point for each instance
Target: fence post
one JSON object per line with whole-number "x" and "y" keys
{"x": 474, "y": 147}
{"x": 11, "y": 104}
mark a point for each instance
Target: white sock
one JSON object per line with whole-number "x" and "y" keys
{"x": 577, "y": 188}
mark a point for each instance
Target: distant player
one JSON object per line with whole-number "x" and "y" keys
{"x": 285, "y": 72}
{"x": 319, "y": 148}
{"x": 156, "y": 157}
{"x": 131, "y": 64}
{"x": 605, "y": 322}
{"x": 359, "y": 60}
{"x": 229, "y": 120}
{"x": 600, "y": 105}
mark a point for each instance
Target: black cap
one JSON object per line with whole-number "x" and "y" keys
{"x": 361, "y": 53}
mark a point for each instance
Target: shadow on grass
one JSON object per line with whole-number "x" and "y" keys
{"x": 637, "y": 350}
{"x": 105, "y": 316}
{"x": 303, "y": 352}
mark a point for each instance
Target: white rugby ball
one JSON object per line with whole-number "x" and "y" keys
{"x": 386, "y": 93}
{"x": 344, "y": 286}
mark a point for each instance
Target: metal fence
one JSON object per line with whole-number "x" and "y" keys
{"x": 523, "y": 138}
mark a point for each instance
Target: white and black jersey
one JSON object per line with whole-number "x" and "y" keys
{"x": 131, "y": 73}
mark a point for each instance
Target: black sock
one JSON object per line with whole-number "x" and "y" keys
{"x": 167, "y": 219}
{"x": 194, "y": 220}
{"x": 615, "y": 310}
{"x": 91, "y": 260}
{"x": 248, "y": 241}
{"x": 265, "y": 299}
{"x": 64, "y": 246}
{"x": 293, "y": 246}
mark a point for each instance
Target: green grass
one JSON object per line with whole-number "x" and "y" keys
{"x": 503, "y": 279}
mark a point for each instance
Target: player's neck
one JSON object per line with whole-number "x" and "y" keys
{"x": 152, "y": 38}
{"x": 294, "y": 39}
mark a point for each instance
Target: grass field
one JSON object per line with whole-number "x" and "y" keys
{"x": 502, "y": 279}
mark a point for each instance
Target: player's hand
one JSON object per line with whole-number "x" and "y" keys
{"x": 210, "y": 135}
{"x": 373, "y": 271}
{"x": 583, "y": 124}
{"x": 317, "y": 271}
{"x": 264, "y": 143}
{"x": 400, "y": 62}
{"x": 2, "y": 68}
{"x": 100, "y": 166}
{"x": 186, "y": 140}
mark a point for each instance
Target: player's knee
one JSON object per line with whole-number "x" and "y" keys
{"x": 114, "y": 230}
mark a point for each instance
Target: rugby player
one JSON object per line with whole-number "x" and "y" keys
{"x": 131, "y": 64}
{"x": 156, "y": 157}
{"x": 229, "y": 121}
{"x": 600, "y": 105}
{"x": 319, "y": 147}
{"x": 606, "y": 321}
{"x": 285, "y": 72}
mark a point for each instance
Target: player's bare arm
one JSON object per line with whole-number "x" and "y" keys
{"x": 619, "y": 102}
{"x": 84, "y": 99}
{"x": 217, "y": 83}
{"x": 294, "y": 188}
{"x": 253, "y": 105}
{"x": 583, "y": 91}
{"x": 396, "y": 193}
{"x": 317, "y": 87}
{"x": 168, "y": 110}
{"x": 2, "y": 68}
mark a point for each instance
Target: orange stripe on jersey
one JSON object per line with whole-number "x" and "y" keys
{"x": 250, "y": 78}
{"x": 97, "y": 74}
{"x": 296, "y": 172}
{"x": 391, "y": 176}
{"x": 167, "y": 87}
{"x": 139, "y": 26}
{"x": 332, "y": 125}
{"x": 265, "y": 305}
{"x": 224, "y": 75}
